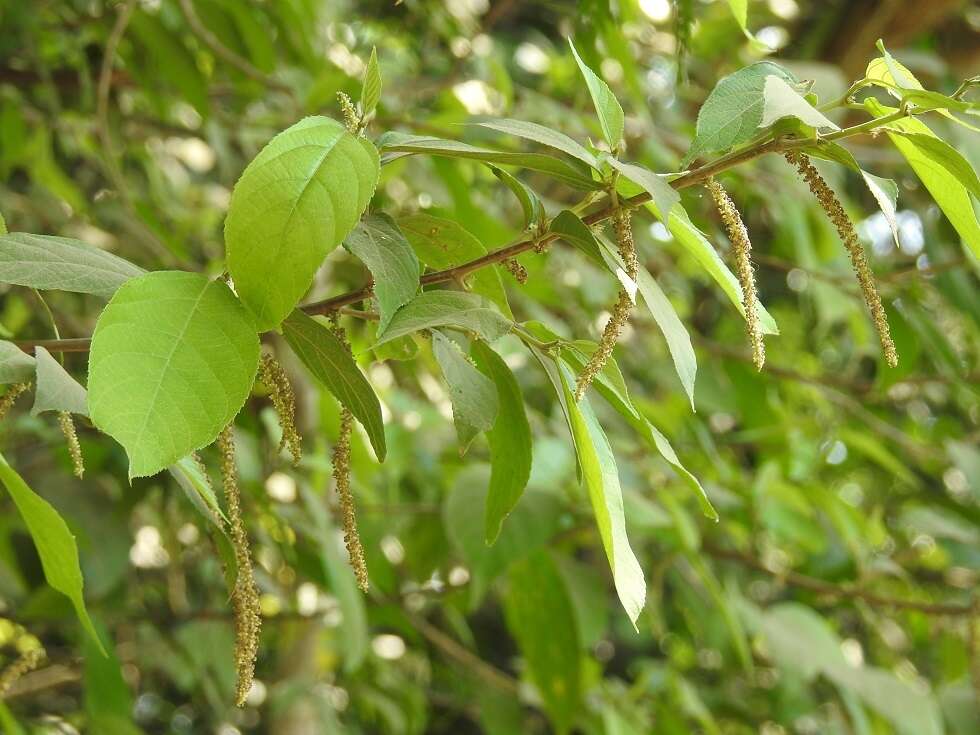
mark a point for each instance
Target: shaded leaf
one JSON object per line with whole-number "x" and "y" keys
{"x": 473, "y": 394}
{"x": 16, "y": 366}
{"x": 530, "y": 204}
{"x": 331, "y": 363}
{"x": 455, "y": 309}
{"x": 55, "y": 389}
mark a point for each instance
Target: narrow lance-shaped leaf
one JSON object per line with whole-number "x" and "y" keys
{"x": 56, "y": 389}
{"x": 607, "y": 107}
{"x": 381, "y": 246}
{"x": 530, "y": 204}
{"x": 510, "y": 441}
{"x": 331, "y": 363}
{"x": 540, "y": 614}
{"x": 541, "y": 134}
{"x": 473, "y": 394}
{"x": 456, "y": 309}
{"x": 664, "y": 197}
{"x": 54, "y": 542}
{"x": 294, "y": 203}
{"x": 951, "y": 194}
{"x": 61, "y": 264}
{"x": 173, "y": 359}
{"x": 371, "y": 90}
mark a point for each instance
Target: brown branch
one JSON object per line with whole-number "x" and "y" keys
{"x": 846, "y": 590}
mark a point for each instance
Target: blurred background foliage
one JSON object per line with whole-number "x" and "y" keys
{"x": 832, "y": 597}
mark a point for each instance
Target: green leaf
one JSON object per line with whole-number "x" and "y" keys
{"x": 510, "y": 441}
{"x": 663, "y": 194}
{"x": 601, "y": 479}
{"x": 108, "y": 701}
{"x": 697, "y": 245}
{"x": 543, "y": 135}
{"x": 530, "y": 204}
{"x": 442, "y": 243}
{"x": 56, "y": 389}
{"x": 172, "y": 361}
{"x": 394, "y": 145}
{"x": 607, "y": 107}
{"x": 3, "y": 225}
{"x": 54, "y": 542}
{"x": 294, "y": 203}
{"x": 733, "y": 111}
{"x": 331, "y": 363}
{"x": 16, "y": 366}
{"x": 381, "y": 246}
{"x": 472, "y": 393}
{"x": 612, "y": 387}
{"x": 193, "y": 480}
{"x": 456, "y": 309}
{"x": 942, "y": 156}
{"x": 780, "y": 100}
{"x": 932, "y": 166}
{"x": 371, "y": 90}
{"x": 61, "y": 264}
{"x": 540, "y": 615}
{"x": 570, "y": 228}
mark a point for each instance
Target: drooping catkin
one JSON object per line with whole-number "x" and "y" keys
{"x": 848, "y": 235}
{"x": 26, "y": 662}
{"x": 341, "y": 475}
{"x": 245, "y": 596}
{"x": 8, "y": 398}
{"x": 742, "y": 248}
{"x": 71, "y": 437}
{"x": 274, "y": 377}
{"x": 623, "y": 229}
{"x": 518, "y": 271}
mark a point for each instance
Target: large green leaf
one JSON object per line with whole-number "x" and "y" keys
{"x": 56, "y": 389}
{"x": 331, "y": 363}
{"x": 939, "y": 171}
{"x": 607, "y": 107}
{"x": 541, "y": 617}
{"x": 510, "y": 441}
{"x": 54, "y": 542}
{"x": 395, "y": 145}
{"x": 455, "y": 309}
{"x": 733, "y": 111}
{"x": 473, "y": 394}
{"x": 601, "y": 477}
{"x": 172, "y": 361}
{"x": 61, "y": 264}
{"x": 541, "y": 134}
{"x": 442, "y": 243}
{"x": 382, "y": 247}
{"x": 16, "y": 366}
{"x": 294, "y": 203}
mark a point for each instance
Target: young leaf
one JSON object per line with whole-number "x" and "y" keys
{"x": 455, "y": 309}
{"x": 394, "y": 145}
{"x": 442, "y": 243}
{"x": 695, "y": 243}
{"x": 601, "y": 478}
{"x": 540, "y": 615}
{"x": 781, "y": 100}
{"x": 294, "y": 203}
{"x": 607, "y": 107}
{"x": 54, "y": 542}
{"x": 381, "y": 246}
{"x": 61, "y": 264}
{"x": 371, "y": 90}
{"x": 664, "y": 196}
{"x": 472, "y": 393}
{"x": 56, "y": 389}
{"x": 540, "y": 134}
{"x": 733, "y": 111}
{"x": 510, "y": 441}
{"x": 575, "y": 232}
{"x": 195, "y": 483}
{"x": 933, "y": 169}
{"x": 172, "y": 361}
{"x": 331, "y": 363}
{"x": 530, "y": 204}
{"x": 16, "y": 366}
